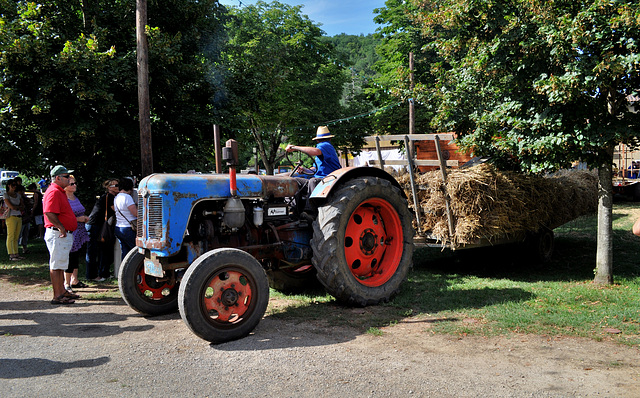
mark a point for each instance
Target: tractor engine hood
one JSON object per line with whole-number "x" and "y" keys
{"x": 165, "y": 202}
{"x": 202, "y": 186}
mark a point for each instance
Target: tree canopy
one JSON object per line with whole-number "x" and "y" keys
{"x": 537, "y": 84}
{"x": 534, "y": 82}
{"x": 68, "y": 90}
{"x": 280, "y": 75}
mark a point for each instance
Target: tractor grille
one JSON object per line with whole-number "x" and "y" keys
{"x": 154, "y": 217}
{"x": 140, "y": 223}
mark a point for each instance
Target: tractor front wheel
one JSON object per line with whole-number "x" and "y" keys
{"x": 223, "y": 295}
{"x": 144, "y": 293}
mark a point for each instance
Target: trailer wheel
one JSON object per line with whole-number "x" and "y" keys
{"x": 541, "y": 245}
{"x": 223, "y": 295}
{"x": 144, "y": 293}
{"x": 363, "y": 242}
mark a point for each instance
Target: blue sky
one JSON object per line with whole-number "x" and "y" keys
{"x": 336, "y": 16}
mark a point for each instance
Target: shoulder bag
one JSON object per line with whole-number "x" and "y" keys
{"x": 107, "y": 232}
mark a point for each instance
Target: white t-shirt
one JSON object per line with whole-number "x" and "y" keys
{"x": 121, "y": 205}
{"x": 14, "y": 201}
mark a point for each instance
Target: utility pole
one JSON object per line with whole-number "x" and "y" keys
{"x": 146, "y": 151}
{"x": 412, "y": 116}
{"x": 218, "y": 148}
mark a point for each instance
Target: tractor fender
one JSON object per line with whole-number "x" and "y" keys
{"x": 339, "y": 177}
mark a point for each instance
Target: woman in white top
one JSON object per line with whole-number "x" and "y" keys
{"x": 126, "y": 216}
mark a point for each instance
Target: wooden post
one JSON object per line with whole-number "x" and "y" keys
{"x": 412, "y": 115}
{"x": 218, "y": 150}
{"x": 447, "y": 199}
{"x": 380, "y": 160}
{"x": 146, "y": 151}
{"x": 416, "y": 202}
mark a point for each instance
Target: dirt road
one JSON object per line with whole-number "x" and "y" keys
{"x": 102, "y": 348}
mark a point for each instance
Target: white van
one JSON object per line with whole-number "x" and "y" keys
{"x": 6, "y": 175}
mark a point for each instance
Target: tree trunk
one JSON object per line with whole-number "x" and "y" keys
{"x": 144, "y": 112}
{"x": 604, "y": 251}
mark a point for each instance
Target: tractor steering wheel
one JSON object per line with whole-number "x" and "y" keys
{"x": 298, "y": 168}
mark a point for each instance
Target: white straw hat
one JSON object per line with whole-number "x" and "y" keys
{"x": 323, "y": 133}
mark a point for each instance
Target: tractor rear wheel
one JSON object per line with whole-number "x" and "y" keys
{"x": 223, "y": 295}
{"x": 144, "y": 293}
{"x": 363, "y": 242}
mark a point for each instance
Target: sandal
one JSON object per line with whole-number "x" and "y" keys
{"x": 69, "y": 295}
{"x": 62, "y": 300}
{"x": 68, "y": 288}
{"x": 79, "y": 285}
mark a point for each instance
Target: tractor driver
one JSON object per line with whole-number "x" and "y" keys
{"x": 325, "y": 154}
{"x": 327, "y": 160}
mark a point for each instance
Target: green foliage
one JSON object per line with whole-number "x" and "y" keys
{"x": 534, "y": 83}
{"x": 358, "y": 53}
{"x": 280, "y": 74}
{"x": 398, "y": 36}
{"x": 69, "y": 85}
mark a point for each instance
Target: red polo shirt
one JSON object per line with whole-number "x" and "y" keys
{"x": 55, "y": 201}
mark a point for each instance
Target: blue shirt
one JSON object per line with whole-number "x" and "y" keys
{"x": 328, "y": 161}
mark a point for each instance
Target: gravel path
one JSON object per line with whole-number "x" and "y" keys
{"x": 102, "y": 348}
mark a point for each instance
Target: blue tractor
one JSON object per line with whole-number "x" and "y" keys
{"x": 210, "y": 245}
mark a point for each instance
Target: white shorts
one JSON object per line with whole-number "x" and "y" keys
{"x": 39, "y": 220}
{"x": 59, "y": 249}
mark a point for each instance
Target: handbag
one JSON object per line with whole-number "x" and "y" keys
{"x": 107, "y": 234}
{"x": 4, "y": 210}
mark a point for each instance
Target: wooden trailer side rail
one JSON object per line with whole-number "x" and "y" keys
{"x": 412, "y": 162}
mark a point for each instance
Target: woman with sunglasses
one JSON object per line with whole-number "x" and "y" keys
{"x": 80, "y": 237}
{"x": 13, "y": 200}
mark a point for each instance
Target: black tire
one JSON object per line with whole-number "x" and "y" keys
{"x": 211, "y": 292}
{"x": 142, "y": 292}
{"x": 363, "y": 242}
{"x": 541, "y": 245}
{"x": 293, "y": 280}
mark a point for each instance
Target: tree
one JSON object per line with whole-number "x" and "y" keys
{"x": 397, "y": 37}
{"x": 280, "y": 76}
{"x": 537, "y": 85}
{"x": 68, "y": 89}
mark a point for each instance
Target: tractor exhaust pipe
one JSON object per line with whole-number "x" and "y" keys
{"x": 234, "y": 212}
{"x": 230, "y": 155}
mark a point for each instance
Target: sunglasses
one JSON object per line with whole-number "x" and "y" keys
{"x": 113, "y": 186}
{"x": 67, "y": 176}
{"x": 73, "y": 183}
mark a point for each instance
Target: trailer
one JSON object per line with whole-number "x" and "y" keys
{"x": 439, "y": 153}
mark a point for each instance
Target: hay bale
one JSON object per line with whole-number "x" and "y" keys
{"x": 487, "y": 203}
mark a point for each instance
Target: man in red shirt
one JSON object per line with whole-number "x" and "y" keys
{"x": 59, "y": 223}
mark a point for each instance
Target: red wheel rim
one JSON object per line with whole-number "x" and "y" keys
{"x": 373, "y": 242}
{"x": 227, "y": 297}
{"x": 150, "y": 288}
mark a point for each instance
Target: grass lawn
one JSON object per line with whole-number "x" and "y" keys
{"x": 34, "y": 271}
{"x": 493, "y": 291}
{"x": 487, "y": 291}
